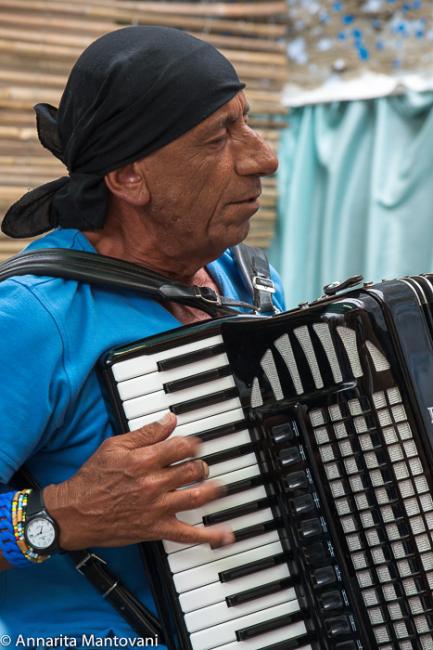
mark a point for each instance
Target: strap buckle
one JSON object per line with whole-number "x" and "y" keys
{"x": 212, "y": 297}
{"x": 84, "y": 562}
{"x": 263, "y": 284}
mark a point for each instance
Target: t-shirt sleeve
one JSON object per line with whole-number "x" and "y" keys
{"x": 34, "y": 387}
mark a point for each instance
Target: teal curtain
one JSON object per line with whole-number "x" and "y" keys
{"x": 355, "y": 187}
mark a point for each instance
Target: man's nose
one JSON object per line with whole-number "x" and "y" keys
{"x": 256, "y": 157}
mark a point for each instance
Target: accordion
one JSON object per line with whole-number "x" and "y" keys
{"x": 319, "y": 421}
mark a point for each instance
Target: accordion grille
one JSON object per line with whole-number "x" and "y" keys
{"x": 385, "y": 508}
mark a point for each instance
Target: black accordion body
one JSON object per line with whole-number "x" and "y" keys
{"x": 319, "y": 422}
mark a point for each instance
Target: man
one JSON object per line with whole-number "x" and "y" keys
{"x": 164, "y": 172}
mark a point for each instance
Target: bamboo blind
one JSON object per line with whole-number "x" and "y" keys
{"x": 41, "y": 39}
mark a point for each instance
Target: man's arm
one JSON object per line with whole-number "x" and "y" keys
{"x": 127, "y": 492}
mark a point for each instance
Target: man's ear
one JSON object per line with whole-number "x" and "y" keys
{"x": 129, "y": 184}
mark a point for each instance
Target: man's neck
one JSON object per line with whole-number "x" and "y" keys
{"x": 144, "y": 254}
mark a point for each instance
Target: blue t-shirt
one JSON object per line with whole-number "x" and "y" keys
{"x": 52, "y": 333}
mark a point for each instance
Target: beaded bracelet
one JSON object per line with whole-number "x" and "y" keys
{"x": 10, "y": 550}
{"x": 12, "y": 539}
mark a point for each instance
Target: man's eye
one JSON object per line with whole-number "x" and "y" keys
{"x": 219, "y": 140}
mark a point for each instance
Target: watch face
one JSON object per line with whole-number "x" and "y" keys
{"x": 40, "y": 533}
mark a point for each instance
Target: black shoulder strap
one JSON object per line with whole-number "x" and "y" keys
{"x": 256, "y": 274}
{"x": 111, "y": 272}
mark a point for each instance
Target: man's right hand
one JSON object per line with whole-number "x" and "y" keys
{"x": 127, "y": 492}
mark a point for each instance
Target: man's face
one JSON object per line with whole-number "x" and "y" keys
{"x": 204, "y": 186}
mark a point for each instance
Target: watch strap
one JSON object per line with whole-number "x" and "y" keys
{"x": 35, "y": 504}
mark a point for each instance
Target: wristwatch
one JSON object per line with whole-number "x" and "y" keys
{"x": 41, "y": 532}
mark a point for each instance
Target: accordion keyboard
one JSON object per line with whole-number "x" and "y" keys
{"x": 242, "y": 595}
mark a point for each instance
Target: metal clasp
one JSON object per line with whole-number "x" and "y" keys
{"x": 263, "y": 284}
{"x": 85, "y": 561}
{"x": 335, "y": 287}
{"x": 213, "y": 298}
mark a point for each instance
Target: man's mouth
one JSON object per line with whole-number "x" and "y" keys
{"x": 250, "y": 199}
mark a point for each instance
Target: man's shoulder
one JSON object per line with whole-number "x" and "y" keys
{"x": 23, "y": 295}
{"x": 69, "y": 238}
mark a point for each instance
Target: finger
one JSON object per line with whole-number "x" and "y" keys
{"x": 175, "y": 449}
{"x": 192, "y": 498}
{"x": 183, "y": 533}
{"x": 193, "y": 471}
{"x": 151, "y": 433}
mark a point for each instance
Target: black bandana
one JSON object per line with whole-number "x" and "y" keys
{"x": 131, "y": 92}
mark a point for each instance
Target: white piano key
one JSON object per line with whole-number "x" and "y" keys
{"x": 160, "y": 400}
{"x": 235, "y": 524}
{"x": 218, "y": 591}
{"x": 191, "y": 416}
{"x": 212, "y": 422}
{"x": 221, "y": 613}
{"x": 239, "y": 475}
{"x": 154, "y": 381}
{"x": 145, "y": 363}
{"x": 200, "y": 565}
{"x": 225, "y": 442}
{"x": 245, "y": 460}
{"x": 268, "y": 639}
{"x": 226, "y": 632}
{"x": 233, "y": 477}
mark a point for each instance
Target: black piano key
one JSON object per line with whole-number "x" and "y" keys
{"x": 267, "y": 626}
{"x": 316, "y": 554}
{"x": 330, "y": 600}
{"x": 245, "y": 484}
{"x": 257, "y": 529}
{"x": 292, "y": 644}
{"x": 228, "y": 454}
{"x": 311, "y": 528}
{"x": 196, "y": 380}
{"x": 338, "y": 626}
{"x": 324, "y": 577}
{"x": 191, "y": 357}
{"x": 237, "y": 511}
{"x": 223, "y": 430}
{"x": 296, "y": 481}
{"x": 285, "y": 432}
{"x": 261, "y": 590}
{"x": 303, "y": 504}
{"x": 253, "y": 567}
{"x": 202, "y": 402}
{"x": 290, "y": 456}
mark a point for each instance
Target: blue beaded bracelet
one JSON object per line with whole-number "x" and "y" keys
{"x": 8, "y": 545}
